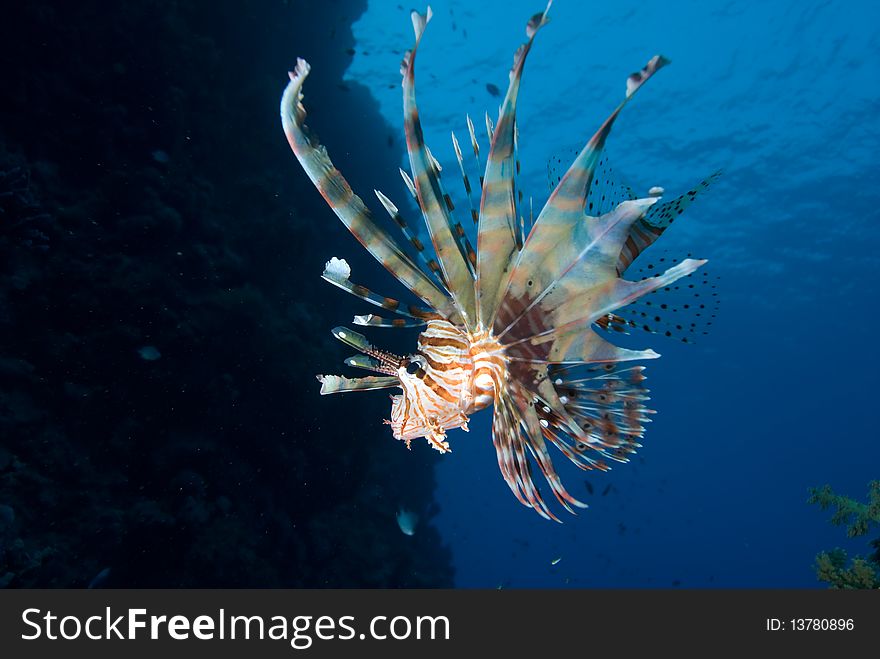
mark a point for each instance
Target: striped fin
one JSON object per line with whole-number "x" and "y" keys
{"x": 347, "y": 205}
{"x": 475, "y": 146}
{"x": 335, "y": 384}
{"x": 430, "y": 264}
{"x": 340, "y": 279}
{"x": 583, "y": 265}
{"x": 518, "y": 231}
{"x": 579, "y": 347}
{"x": 452, "y": 257}
{"x": 568, "y": 332}
{"x": 433, "y": 266}
{"x": 549, "y": 414}
{"x": 457, "y": 230}
{"x": 564, "y": 209}
{"x": 512, "y": 459}
{"x": 593, "y": 414}
{"x": 517, "y": 433}
{"x": 498, "y": 233}
{"x": 534, "y": 432}
{"x": 644, "y": 232}
{"x": 371, "y": 320}
{"x": 607, "y": 404}
{"x": 475, "y": 215}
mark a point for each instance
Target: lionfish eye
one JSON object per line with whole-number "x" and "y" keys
{"x": 413, "y": 367}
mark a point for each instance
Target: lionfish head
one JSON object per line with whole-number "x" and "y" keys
{"x": 421, "y": 410}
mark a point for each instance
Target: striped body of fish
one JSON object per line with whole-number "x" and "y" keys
{"x": 518, "y": 322}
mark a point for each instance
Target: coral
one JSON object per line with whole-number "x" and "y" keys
{"x": 858, "y": 517}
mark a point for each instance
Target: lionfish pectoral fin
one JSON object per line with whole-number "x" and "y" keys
{"x": 535, "y": 430}
{"x": 606, "y": 402}
{"x": 576, "y": 341}
{"x": 347, "y": 205}
{"x": 564, "y": 209}
{"x": 512, "y": 460}
{"x": 573, "y": 282}
{"x": 660, "y": 217}
{"x": 334, "y": 384}
{"x": 518, "y": 434}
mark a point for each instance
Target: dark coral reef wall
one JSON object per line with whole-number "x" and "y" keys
{"x": 161, "y": 312}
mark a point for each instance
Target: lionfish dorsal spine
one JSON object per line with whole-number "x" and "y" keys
{"x": 348, "y": 206}
{"x": 475, "y": 214}
{"x": 341, "y": 279}
{"x": 411, "y": 238}
{"x": 450, "y": 249}
{"x": 498, "y": 231}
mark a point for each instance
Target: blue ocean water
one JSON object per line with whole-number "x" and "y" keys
{"x": 782, "y": 96}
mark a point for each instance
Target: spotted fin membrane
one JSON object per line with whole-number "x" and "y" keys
{"x": 684, "y": 310}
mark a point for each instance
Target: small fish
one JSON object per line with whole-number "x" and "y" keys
{"x": 149, "y": 353}
{"x": 606, "y": 490}
{"x": 519, "y": 323}
{"x": 555, "y": 560}
{"x": 407, "y": 521}
{"x": 100, "y": 578}
{"x": 588, "y": 486}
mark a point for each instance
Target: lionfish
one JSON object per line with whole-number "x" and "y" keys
{"x": 515, "y": 323}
